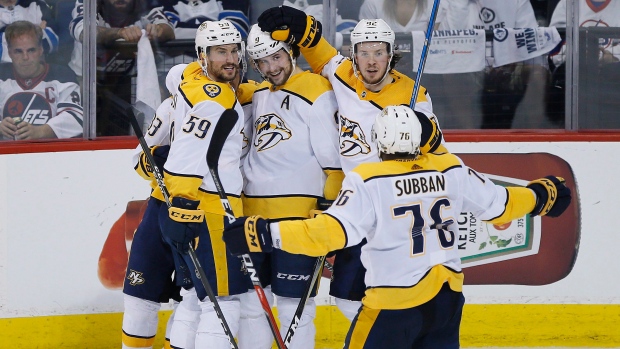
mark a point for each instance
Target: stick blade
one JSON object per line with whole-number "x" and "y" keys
{"x": 222, "y": 129}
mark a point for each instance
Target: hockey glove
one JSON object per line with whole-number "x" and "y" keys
{"x": 552, "y": 196}
{"x": 291, "y": 25}
{"x": 183, "y": 222}
{"x": 248, "y": 234}
{"x": 160, "y": 155}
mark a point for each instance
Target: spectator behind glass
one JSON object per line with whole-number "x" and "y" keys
{"x": 37, "y": 100}
{"x": 117, "y": 20}
{"x": 402, "y": 15}
{"x": 35, "y": 11}
{"x": 594, "y": 13}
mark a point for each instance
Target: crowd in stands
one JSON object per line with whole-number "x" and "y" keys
{"x": 489, "y": 97}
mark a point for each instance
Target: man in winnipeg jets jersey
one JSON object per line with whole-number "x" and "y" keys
{"x": 196, "y": 210}
{"x": 503, "y": 87}
{"x": 148, "y": 279}
{"x": 293, "y": 161}
{"x": 118, "y": 20}
{"x": 404, "y": 206}
{"x": 595, "y": 13}
{"x": 363, "y": 84}
{"x": 37, "y": 100}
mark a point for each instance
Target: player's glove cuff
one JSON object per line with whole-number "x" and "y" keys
{"x": 552, "y": 196}
{"x": 248, "y": 234}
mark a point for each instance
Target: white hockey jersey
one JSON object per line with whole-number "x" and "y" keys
{"x": 593, "y": 13}
{"x": 403, "y": 209}
{"x": 358, "y": 106}
{"x": 199, "y": 104}
{"x": 52, "y": 98}
{"x": 294, "y": 141}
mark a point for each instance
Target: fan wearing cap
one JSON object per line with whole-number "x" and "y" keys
{"x": 405, "y": 207}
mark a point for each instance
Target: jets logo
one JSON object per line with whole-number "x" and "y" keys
{"x": 270, "y": 130}
{"x": 135, "y": 278}
{"x": 212, "y": 90}
{"x": 32, "y": 107}
{"x": 352, "y": 138}
{"x": 487, "y": 15}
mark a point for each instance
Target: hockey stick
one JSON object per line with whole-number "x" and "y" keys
{"x": 129, "y": 111}
{"x": 427, "y": 43}
{"x": 223, "y": 127}
{"x": 318, "y": 266}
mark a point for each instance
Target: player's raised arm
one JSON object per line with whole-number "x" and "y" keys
{"x": 297, "y": 28}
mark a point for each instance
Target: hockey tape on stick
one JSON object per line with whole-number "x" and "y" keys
{"x": 222, "y": 129}
{"x": 131, "y": 113}
{"x": 427, "y": 43}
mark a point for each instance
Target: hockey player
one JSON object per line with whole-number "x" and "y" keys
{"x": 148, "y": 279}
{"x": 292, "y": 163}
{"x": 404, "y": 207}
{"x": 202, "y": 99}
{"x": 364, "y": 84}
{"x": 37, "y": 100}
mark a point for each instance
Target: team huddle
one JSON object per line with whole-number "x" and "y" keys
{"x": 311, "y": 163}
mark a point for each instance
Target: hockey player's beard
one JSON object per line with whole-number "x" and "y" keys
{"x": 222, "y": 74}
{"x": 282, "y": 78}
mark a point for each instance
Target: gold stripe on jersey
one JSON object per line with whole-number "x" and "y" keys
{"x": 519, "y": 202}
{"x": 365, "y": 321}
{"x": 137, "y": 342}
{"x": 279, "y": 207}
{"x": 199, "y": 88}
{"x": 215, "y": 223}
{"x": 245, "y": 92}
{"x": 409, "y": 297}
{"x": 392, "y": 168}
{"x": 305, "y": 85}
{"x": 319, "y": 55}
{"x": 333, "y": 183}
{"x": 185, "y": 186}
{"x": 329, "y": 236}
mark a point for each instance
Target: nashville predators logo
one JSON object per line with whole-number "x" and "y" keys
{"x": 352, "y": 138}
{"x": 212, "y": 90}
{"x": 270, "y": 130}
{"x": 135, "y": 278}
{"x": 246, "y": 141}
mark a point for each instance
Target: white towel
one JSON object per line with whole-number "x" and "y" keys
{"x": 450, "y": 51}
{"x": 148, "y": 97}
{"x": 516, "y": 45}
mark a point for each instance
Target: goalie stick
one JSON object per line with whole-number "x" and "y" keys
{"x": 130, "y": 112}
{"x": 223, "y": 127}
{"x": 427, "y": 43}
